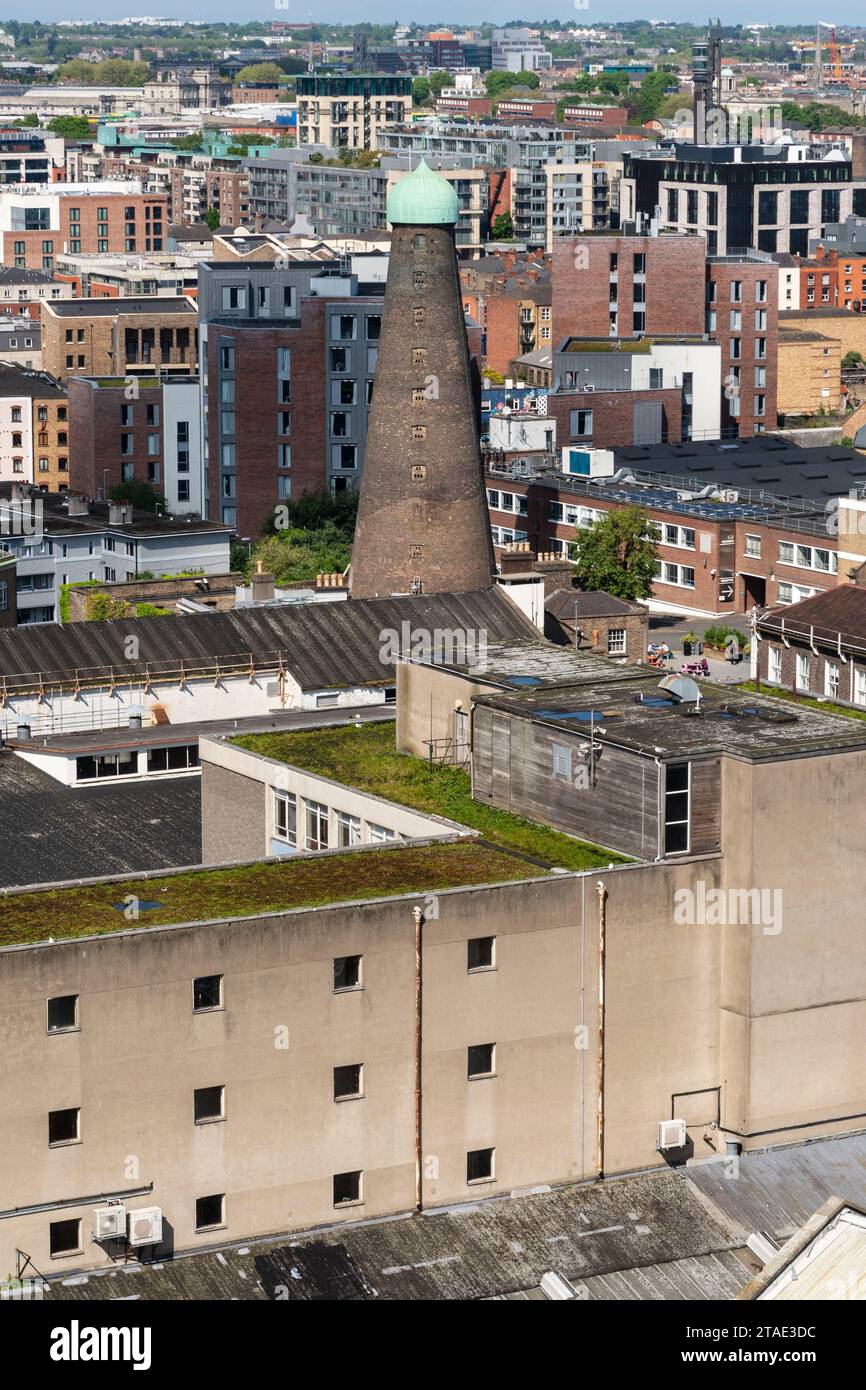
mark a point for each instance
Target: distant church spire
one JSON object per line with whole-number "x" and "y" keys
{"x": 423, "y": 524}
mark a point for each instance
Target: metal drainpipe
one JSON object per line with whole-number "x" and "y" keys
{"x": 419, "y": 919}
{"x": 602, "y": 948}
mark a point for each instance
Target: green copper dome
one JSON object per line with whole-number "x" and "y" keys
{"x": 423, "y": 199}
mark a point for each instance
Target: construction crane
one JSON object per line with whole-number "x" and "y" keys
{"x": 834, "y": 52}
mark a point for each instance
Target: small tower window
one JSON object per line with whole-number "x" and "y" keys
{"x": 418, "y": 317}
{"x": 419, "y": 431}
{"x": 419, "y": 357}
{"x": 419, "y": 395}
{"x": 420, "y": 242}
{"x": 419, "y": 279}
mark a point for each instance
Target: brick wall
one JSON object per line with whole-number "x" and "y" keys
{"x": 257, "y": 408}
{"x": 144, "y": 229}
{"x": 612, "y": 415}
{"x": 582, "y": 285}
{"x": 749, "y": 275}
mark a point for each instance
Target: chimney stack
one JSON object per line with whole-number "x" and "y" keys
{"x": 78, "y": 505}
{"x": 262, "y": 585}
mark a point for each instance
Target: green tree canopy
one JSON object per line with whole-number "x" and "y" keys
{"x": 618, "y": 554}
{"x": 498, "y": 83}
{"x": 438, "y": 80}
{"x": 420, "y": 91}
{"x": 71, "y": 127}
{"x": 503, "y": 227}
{"x": 261, "y": 72}
{"x": 142, "y": 495}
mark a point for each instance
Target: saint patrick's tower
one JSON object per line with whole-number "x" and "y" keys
{"x": 423, "y": 525}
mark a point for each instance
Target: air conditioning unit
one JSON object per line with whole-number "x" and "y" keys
{"x": 730, "y": 494}
{"x": 672, "y": 1135}
{"x": 109, "y": 1223}
{"x": 145, "y": 1226}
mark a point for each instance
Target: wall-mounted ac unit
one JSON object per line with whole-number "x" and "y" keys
{"x": 672, "y": 1135}
{"x": 730, "y": 494}
{"x": 109, "y": 1223}
{"x": 145, "y": 1226}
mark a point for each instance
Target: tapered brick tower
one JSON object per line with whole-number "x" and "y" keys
{"x": 423, "y": 524}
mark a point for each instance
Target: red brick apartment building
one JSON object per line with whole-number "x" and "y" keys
{"x": 636, "y": 286}
{"x": 35, "y": 227}
{"x": 714, "y": 557}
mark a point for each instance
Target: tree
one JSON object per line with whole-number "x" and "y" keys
{"x": 503, "y": 227}
{"x": 261, "y": 72}
{"x": 316, "y": 511}
{"x": 420, "y": 91}
{"x": 438, "y": 80}
{"x": 142, "y": 495}
{"x": 499, "y": 82}
{"x": 653, "y": 90}
{"x": 212, "y": 218}
{"x": 71, "y": 127}
{"x": 296, "y": 554}
{"x": 618, "y": 554}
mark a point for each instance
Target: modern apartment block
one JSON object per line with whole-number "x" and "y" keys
{"x": 34, "y": 429}
{"x": 516, "y": 157}
{"x": 612, "y": 393}
{"x": 743, "y": 318}
{"x": 120, "y": 275}
{"x": 517, "y": 50}
{"x": 337, "y": 201}
{"x": 348, "y": 111}
{"x": 767, "y": 197}
{"x": 143, "y": 431}
{"x": 30, "y": 156}
{"x": 120, "y": 337}
{"x": 620, "y": 285}
{"x": 36, "y": 224}
{"x": 288, "y": 355}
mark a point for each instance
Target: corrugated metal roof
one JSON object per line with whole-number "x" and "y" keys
{"x": 323, "y": 645}
{"x": 480, "y": 1250}
{"x": 778, "y": 1190}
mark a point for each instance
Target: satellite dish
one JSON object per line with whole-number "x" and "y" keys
{"x": 682, "y": 688}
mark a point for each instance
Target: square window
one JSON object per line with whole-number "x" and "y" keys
{"x": 481, "y": 953}
{"x": 347, "y": 1189}
{"x": 479, "y": 1165}
{"x": 347, "y": 973}
{"x": 63, "y": 1013}
{"x": 210, "y": 1212}
{"x": 64, "y": 1238}
{"x": 63, "y": 1127}
{"x": 348, "y": 1082}
{"x": 207, "y": 993}
{"x": 209, "y": 1104}
{"x": 481, "y": 1059}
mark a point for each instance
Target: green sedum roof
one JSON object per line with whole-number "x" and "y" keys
{"x": 423, "y": 199}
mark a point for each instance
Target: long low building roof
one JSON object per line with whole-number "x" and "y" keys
{"x": 321, "y": 645}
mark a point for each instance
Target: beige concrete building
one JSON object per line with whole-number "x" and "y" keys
{"x": 810, "y": 372}
{"x": 306, "y": 1054}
